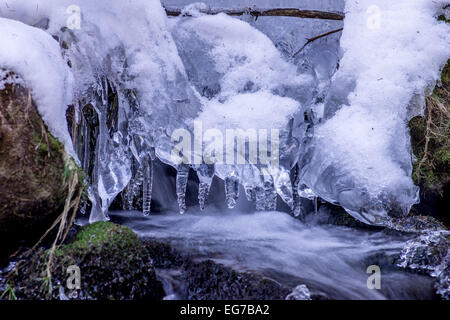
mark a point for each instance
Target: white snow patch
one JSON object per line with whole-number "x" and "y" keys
{"x": 241, "y": 53}
{"x": 36, "y": 57}
{"x": 259, "y": 110}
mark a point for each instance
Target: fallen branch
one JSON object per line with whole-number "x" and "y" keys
{"x": 316, "y": 38}
{"x": 288, "y": 12}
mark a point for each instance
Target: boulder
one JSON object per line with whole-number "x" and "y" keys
{"x": 32, "y": 166}
{"x": 112, "y": 265}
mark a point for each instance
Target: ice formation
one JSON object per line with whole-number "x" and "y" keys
{"x": 430, "y": 253}
{"x": 133, "y": 77}
{"x": 243, "y": 79}
{"x": 360, "y": 157}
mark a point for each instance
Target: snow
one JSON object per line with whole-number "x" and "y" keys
{"x": 240, "y": 53}
{"x": 36, "y": 57}
{"x": 392, "y": 53}
{"x": 249, "y": 111}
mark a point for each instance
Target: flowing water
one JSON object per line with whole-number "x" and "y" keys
{"x": 332, "y": 261}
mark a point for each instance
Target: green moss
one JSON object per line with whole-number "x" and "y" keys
{"x": 432, "y": 168}
{"x": 99, "y": 235}
{"x": 443, "y": 18}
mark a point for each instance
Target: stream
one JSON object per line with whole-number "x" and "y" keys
{"x": 331, "y": 260}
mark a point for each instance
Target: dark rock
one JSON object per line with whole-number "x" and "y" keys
{"x": 208, "y": 280}
{"x": 416, "y": 224}
{"x": 433, "y": 203}
{"x": 337, "y": 216}
{"x": 163, "y": 254}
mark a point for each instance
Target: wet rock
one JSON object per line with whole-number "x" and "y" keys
{"x": 208, "y": 280}
{"x": 337, "y": 216}
{"x": 163, "y": 254}
{"x": 300, "y": 292}
{"x": 416, "y": 224}
{"x": 113, "y": 265}
{"x": 429, "y": 253}
{"x": 32, "y": 167}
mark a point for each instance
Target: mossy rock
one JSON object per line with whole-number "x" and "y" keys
{"x": 430, "y": 139}
{"x": 32, "y": 168}
{"x": 113, "y": 265}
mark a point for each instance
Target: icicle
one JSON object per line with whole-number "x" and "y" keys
{"x": 132, "y": 192}
{"x": 112, "y": 166}
{"x": 181, "y": 186}
{"x": 126, "y": 195}
{"x": 97, "y": 212}
{"x": 135, "y": 188}
{"x": 270, "y": 193}
{"x": 316, "y": 205}
{"x": 250, "y": 192}
{"x": 205, "y": 174}
{"x": 231, "y": 191}
{"x": 306, "y": 192}
{"x": 283, "y": 186}
{"x": 97, "y": 195}
{"x": 86, "y": 140}
{"x": 83, "y": 207}
{"x": 298, "y": 209}
{"x": 203, "y": 193}
{"x": 250, "y": 178}
{"x": 260, "y": 196}
{"x": 147, "y": 186}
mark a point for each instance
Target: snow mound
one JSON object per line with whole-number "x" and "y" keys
{"x": 36, "y": 56}
{"x": 361, "y": 155}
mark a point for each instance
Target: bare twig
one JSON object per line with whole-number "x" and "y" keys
{"x": 285, "y": 12}
{"x": 432, "y": 105}
{"x": 316, "y": 38}
{"x": 427, "y": 141}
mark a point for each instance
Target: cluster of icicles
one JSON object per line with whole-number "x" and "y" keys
{"x": 107, "y": 146}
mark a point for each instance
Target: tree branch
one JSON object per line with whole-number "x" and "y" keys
{"x": 316, "y": 38}
{"x": 288, "y": 12}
